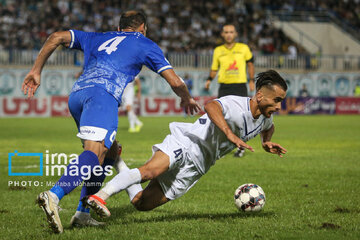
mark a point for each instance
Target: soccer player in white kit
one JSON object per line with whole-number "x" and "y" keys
{"x": 192, "y": 148}
{"x": 135, "y": 124}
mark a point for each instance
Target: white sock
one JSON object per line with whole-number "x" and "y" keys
{"x": 132, "y": 118}
{"x": 121, "y": 165}
{"x": 137, "y": 121}
{"x": 133, "y": 189}
{"x": 120, "y": 182}
{"x": 54, "y": 197}
{"x": 103, "y": 195}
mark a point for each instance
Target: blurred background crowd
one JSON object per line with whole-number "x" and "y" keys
{"x": 177, "y": 25}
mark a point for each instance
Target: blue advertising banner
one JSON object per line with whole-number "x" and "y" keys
{"x": 308, "y": 105}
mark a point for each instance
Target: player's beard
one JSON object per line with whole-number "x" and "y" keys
{"x": 267, "y": 110}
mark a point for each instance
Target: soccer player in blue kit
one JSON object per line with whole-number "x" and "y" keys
{"x": 111, "y": 61}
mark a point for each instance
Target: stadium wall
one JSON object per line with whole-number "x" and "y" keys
{"x": 332, "y": 91}
{"x": 332, "y": 38}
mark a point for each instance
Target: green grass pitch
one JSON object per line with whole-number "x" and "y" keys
{"x": 311, "y": 193}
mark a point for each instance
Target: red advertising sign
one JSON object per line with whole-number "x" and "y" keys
{"x": 347, "y": 105}
{"x": 161, "y": 106}
{"x": 23, "y": 107}
{"x": 59, "y": 106}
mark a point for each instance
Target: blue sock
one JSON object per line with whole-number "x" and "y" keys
{"x": 81, "y": 208}
{"x": 97, "y": 184}
{"x": 67, "y": 183}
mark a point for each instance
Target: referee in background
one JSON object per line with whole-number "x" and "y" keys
{"x": 232, "y": 60}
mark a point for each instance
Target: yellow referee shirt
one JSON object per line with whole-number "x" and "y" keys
{"x": 231, "y": 62}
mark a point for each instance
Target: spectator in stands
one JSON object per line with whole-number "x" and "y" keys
{"x": 188, "y": 26}
{"x": 179, "y": 26}
{"x": 347, "y": 58}
{"x": 292, "y": 55}
{"x": 189, "y": 83}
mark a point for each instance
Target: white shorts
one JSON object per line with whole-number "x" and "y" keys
{"x": 182, "y": 174}
{"x": 128, "y": 95}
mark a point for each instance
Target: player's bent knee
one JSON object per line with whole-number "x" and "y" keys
{"x": 151, "y": 197}
{"x": 137, "y": 202}
{"x": 113, "y": 151}
{"x": 96, "y": 147}
{"x": 143, "y": 206}
{"x": 147, "y": 173}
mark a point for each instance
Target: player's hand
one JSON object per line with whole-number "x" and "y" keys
{"x": 252, "y": 86}
{"x": 190, "y": 105}
{"x": 238, "y": 142}
{"x": 274, "y": 148}
{"x": 31, "y": 83}
{"x": 207, "y": 85}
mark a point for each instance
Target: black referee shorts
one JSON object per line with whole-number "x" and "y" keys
{"x": 238, "y": 89}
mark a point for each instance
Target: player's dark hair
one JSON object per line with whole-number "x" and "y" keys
{"x": 132, "y": 19}
{"x": 269, "y": 79}
{"x": 229, "y": 24}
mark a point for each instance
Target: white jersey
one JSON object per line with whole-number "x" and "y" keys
{"x": 207, "y": 143}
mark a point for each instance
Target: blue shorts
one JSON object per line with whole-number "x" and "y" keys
{"x": 95, "y": 112}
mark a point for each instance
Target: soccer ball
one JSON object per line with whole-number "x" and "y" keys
{"x": 249, "y": 198}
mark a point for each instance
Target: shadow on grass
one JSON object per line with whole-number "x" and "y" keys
{"x": 115, "y": 214}
{"x": 121, "y": 213}
{"x": 197, "y": 216}
{"x": 167, "y": 216}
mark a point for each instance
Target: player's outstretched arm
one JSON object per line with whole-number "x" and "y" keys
{"x": 270, "y": 146}
{"x": 32, "y": 79}
{"x": 179, "y": 87}
{"x": 214, "y": 111}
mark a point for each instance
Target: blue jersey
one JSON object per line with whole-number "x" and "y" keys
{"x": 113, "y": 59}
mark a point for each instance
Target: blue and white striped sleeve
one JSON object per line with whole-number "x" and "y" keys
{"x": 78, "y": 39}
{"x": 156, "y": 61}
